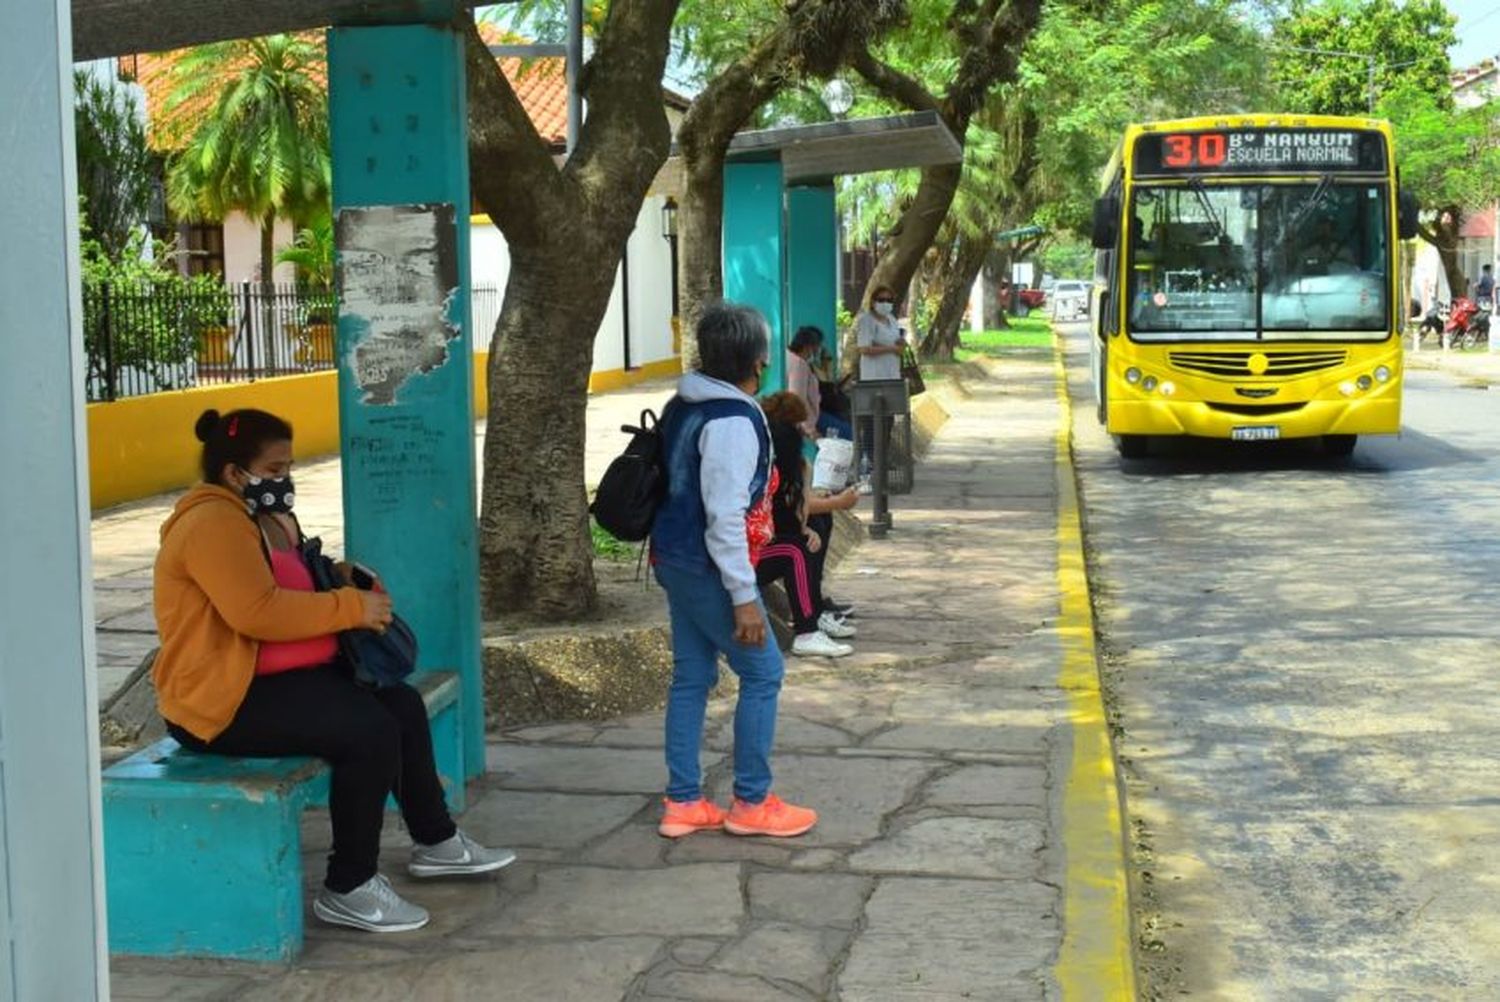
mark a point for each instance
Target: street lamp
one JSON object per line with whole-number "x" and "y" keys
{"x": 669, "y": 234}
{"x": 838, "y": 97}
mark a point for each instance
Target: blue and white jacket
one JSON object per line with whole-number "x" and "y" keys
{"x": 717, "y": 453}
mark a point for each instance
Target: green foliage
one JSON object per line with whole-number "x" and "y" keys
{"x": 116, "y": 171}
{"x": 140, "y": 315}
{"x": 1408, "y": 41}
{"x": 1069, "y": 257}
{"x": 312, "y": 252}
{"x": 1025, "y": 334}
{"x": 1450, "y": 158}
{"x": 263, "y": 149}
{"x": 607, "y": 547}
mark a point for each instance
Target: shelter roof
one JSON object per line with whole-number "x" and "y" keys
{"x": 856, "y": 146}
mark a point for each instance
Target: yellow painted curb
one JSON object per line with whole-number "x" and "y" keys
{"x": 1096, "y": 960}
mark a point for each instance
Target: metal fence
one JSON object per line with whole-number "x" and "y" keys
{"x": 148, "y": 339}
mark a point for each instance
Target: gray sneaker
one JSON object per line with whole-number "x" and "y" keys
{"x": 458, "y": 856}
{"x": 373, "y": 906}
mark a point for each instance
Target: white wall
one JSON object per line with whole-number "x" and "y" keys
{"x": 650, "y": 291}
{"x": 242, "y": 249}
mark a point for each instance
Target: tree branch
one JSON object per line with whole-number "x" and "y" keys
{"x": 512, "y": 172}
{"x": 894, "y": 84}
{"x": 626, "y": 137}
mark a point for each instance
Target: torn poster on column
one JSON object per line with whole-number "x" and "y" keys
{"x": 397, "y": 278}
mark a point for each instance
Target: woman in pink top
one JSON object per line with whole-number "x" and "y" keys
{"x": 802, "y": 380}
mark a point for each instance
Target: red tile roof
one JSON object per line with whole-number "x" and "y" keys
{"x": 540, "y": 84}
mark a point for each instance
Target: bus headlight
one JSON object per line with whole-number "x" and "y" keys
{"x": 1364, "y": 382}
{"x": 1148, "y": 384}
{"x": 1132, "y": 375}
{"x": 1168, "y": 388}
{"x": 1347, "y": 389}
{"x": 1382, "y": 374}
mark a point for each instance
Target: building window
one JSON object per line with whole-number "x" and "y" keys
{"x": 202, "y": 248}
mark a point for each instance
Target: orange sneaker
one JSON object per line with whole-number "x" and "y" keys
{"x": 772, "y": 816}
{"x": 683, "y": 817}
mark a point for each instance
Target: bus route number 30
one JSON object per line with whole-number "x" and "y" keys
{"x": 1207, "y": 149}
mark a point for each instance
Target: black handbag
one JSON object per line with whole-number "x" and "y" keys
{"x": 378, "y": 659}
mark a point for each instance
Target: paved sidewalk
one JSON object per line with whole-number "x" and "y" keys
{"x": 1476, "y": 364}
{"x": 125, "y": 538}
{"x": 943, "y": 757}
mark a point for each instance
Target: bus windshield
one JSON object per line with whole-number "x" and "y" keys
{"x": 1301, "y": 261}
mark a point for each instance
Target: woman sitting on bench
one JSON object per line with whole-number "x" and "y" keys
{"x": 249, "y": 666}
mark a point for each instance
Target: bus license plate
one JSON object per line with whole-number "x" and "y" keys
{"x": 1255, "y": 433}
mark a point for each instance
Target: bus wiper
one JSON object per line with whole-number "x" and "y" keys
{"x": 1197, "y": 187}
{"x": 1305, "y": 209}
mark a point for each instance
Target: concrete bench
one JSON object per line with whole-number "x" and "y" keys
{"x": 203, "y": 853}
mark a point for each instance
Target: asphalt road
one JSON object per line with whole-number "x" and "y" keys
{"x": 1304, "y": 660}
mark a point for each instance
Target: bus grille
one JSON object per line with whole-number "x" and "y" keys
{"x": 1236, "y": 364}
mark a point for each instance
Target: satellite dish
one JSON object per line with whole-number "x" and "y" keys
{"x": 838, "y": 97}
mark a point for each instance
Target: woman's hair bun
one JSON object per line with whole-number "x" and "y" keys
{"x": 207, "y": 422}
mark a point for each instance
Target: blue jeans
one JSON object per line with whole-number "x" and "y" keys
{"x": 703, "y": 627}
{"x": 832, "y": 422}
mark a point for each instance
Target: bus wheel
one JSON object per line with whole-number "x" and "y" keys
{"x": 1339, "y": 445}
{"x": 1131, "y": 446}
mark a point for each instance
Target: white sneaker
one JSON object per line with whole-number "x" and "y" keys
{"x": 836, "y": 627}
{"x": 818, "y": 645}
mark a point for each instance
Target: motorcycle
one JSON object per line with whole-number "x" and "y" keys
{"x": 1468, "y": 324}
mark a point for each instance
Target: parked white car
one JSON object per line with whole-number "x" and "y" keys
{"x": 1070, "y": 299}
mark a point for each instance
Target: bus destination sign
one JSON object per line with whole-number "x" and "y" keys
{"x": 1259, "y": 151}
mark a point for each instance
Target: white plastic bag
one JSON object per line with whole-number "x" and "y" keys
{"x": 835, "y": 460}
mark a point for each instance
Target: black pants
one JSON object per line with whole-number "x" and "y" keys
{"x": 786, "y": 559}
{"x": 377, "y": 742}
{"x": 823, "y": 526}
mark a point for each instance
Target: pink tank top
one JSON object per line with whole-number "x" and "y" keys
{"x": 289, "y": 655}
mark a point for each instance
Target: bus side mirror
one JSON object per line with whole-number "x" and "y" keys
{"x": 1407, "y": 212}
{"x": 1106, "y": 222}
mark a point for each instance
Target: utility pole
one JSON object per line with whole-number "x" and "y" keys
{"x": 1369, "y": 63}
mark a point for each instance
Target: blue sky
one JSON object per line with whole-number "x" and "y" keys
{"x": 1478, "y": 31}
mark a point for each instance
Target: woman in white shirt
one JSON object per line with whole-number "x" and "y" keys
{"x": 880, "y": 344}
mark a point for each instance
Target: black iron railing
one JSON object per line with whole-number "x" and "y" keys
{"x": 148, "y": 339}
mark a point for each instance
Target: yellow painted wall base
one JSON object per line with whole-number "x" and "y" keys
{"x": 142, "y": 446}
{"x": 618, "y": 379}
{"x": 145, "y": 445}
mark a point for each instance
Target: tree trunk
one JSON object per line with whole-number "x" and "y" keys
{"x": 268, "y": 288}
{"x": 1444, "y": 235}
{"x": 956, "y": 281}
{"x": 535, "y": 544}
{"x": 814, "y": 38}
{"x": 566, "y": 231}
{"x": 996, "y": 308}
{"x": 917, "y": 229}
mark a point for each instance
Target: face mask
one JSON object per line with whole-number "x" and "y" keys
{"x": 885, "y": 309}
{"x": 265, "y": 496}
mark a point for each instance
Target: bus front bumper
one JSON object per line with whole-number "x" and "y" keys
{"x": 1377, "y": 412}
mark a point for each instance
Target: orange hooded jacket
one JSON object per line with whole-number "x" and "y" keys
{"x": 216, "y": 601}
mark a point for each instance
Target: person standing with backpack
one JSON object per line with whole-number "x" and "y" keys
{"x": 713, "y": 519}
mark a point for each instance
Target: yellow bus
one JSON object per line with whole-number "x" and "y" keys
{"x": 1247, "y": 281}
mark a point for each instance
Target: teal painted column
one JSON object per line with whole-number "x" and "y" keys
{"x": 401, "y": 206}
{"x": 755, "y": 252}
{"x": 812, "y": 263}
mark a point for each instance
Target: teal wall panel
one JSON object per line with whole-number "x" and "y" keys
{"x": 812, "y": 263}
{"x": 401, "y": 199}
{"x": 754, "y": 252}
{"x": 51, "y": 889}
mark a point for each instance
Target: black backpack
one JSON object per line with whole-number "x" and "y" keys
{"x": 635, "y": 483}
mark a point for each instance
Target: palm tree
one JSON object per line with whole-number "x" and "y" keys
{"x": 258, "y": 141}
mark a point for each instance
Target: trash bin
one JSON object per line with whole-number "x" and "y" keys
{"x": 882, "y": 435}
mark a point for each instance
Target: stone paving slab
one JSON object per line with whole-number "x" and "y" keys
{"x": 936, "y": 756}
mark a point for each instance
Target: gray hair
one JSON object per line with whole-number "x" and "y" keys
{"x": 733, "y": 339}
